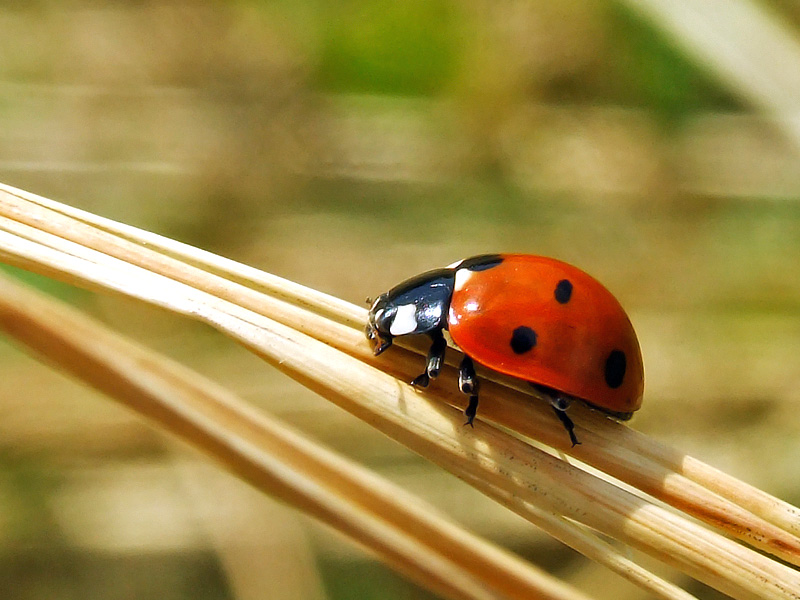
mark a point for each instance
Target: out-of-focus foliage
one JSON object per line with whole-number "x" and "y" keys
{"x": 348, "y": 145}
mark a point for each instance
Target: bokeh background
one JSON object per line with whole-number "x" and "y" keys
{"x": 350, "y": 144}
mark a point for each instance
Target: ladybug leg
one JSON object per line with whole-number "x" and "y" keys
{"x": 382, "y": 344}
{"x": 468, "y": 384}
{"x": 560, "y": 405}
{"x": 435, "y": 360}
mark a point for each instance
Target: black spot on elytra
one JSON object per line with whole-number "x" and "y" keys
{"x": 615, "y": 368}
{"x": 523, "y": 339}
{"x": 481, "y": 263}
{"x": 563, "y": 291}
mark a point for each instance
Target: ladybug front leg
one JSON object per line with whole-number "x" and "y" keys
{"x": 435, "y": 360}
{"x": 468, "y": 383}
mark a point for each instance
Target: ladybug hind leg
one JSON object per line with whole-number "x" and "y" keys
{"x": 568, "y": 424}
{"x": 434, "y": 362}
{"x": 468, "y": 384}
{"x": 560, "y": 403}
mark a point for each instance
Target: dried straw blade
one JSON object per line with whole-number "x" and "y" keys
{"x": 665, "y": 473}
{"x": 727, "y": 571}
{"x": 437, "y": 432}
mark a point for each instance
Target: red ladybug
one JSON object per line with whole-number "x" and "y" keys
{"x": 531, "y": 317}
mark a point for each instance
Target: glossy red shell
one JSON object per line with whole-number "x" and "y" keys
{"x": 577, "y": 343}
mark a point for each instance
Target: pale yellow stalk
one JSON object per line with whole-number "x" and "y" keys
{"x": 740, "y": 509}
{"x": 318, "y": 340}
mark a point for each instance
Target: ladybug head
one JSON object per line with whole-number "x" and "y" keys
{"x": 390, "y": 317}
{"x": 381, "y": 316}
{"x": 418, "y": 305}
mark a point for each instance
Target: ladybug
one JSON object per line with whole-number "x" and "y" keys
{"x": 535, "y": 318}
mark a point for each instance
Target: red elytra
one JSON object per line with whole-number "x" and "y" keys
{"x": 577, "y": 338}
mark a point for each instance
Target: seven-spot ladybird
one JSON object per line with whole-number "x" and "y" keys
{"x": 531, "y": 317}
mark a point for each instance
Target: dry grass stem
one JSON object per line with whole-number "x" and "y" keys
{"x": 318, "y": 341}
{"x": 584, "y": 541}
{"x": 641, "y": 461}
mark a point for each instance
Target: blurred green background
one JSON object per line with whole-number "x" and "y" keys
{"x": 348, "y": 145}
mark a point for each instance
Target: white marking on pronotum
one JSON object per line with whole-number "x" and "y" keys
{"x": 455, "y": 265}
{"x": 462, "y": 276}
{"x": 405, "y": 320}
{"x": 430, "y": 314}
